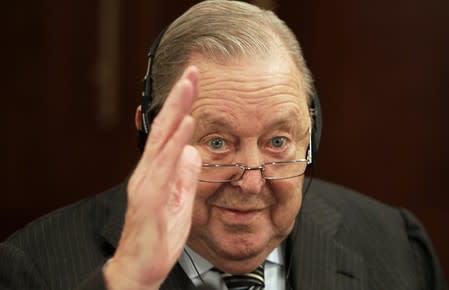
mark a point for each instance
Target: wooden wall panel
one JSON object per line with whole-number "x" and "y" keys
{"x": 382, "y": 70}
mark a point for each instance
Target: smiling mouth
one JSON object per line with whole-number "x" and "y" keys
{"x": 239, "y": 210}
{"x": 239, "y": 216}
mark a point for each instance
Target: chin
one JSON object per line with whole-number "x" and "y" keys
{"x": 240, "y": 254}
{"x": 235, "y": 247}
{"x": 241, "y": 246}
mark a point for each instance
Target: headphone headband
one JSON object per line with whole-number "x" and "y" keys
{"x": 149, "y": 115}
{"x": 147, "y": 94}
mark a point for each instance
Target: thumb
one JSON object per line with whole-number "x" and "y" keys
{"x": 188, "y": 170}
{"x": 189, "y": 167}
{"x": 179, "y": 210}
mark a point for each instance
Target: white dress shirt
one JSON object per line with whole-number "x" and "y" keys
{"x": 274, "y": 270}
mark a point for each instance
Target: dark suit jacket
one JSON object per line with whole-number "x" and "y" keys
{"x": 342, "y": 240}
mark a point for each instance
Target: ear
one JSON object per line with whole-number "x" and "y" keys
{"x": 138, "y": 118}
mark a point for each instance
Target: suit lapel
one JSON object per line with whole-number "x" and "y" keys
{"x": 177, "y": 280}
{"x": 318, "y": 260}
{"x": 115, "y": 204}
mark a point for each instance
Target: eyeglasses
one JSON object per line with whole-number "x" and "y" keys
{"x": 216, "y": 173}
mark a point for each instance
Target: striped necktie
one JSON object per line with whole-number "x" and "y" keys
{"x": 250, "y": 281}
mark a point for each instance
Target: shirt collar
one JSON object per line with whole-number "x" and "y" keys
{"x": 191, "y": 259}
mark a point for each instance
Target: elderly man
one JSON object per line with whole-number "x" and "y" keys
{"x": 219, "y": 196}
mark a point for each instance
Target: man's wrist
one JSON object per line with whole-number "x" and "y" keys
{"x": 116, "y": 278}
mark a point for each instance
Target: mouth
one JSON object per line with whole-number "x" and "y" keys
{"x": 238, "y": 216}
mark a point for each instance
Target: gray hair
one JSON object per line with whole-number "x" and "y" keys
{"x": 221, "y": 30}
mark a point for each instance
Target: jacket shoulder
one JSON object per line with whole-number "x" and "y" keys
{"x": 63, "y": 246}
{"x": 351, "y": 203}
{"x": 391, "y": 240}
{"x": 82, "y": 216}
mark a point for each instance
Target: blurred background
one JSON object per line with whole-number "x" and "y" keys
{"x": 73, "y": 79}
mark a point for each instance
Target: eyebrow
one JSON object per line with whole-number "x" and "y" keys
{"x": 297, "y": 129}
{"x": 287, "y": 120}
{"x": 211, "y": 120}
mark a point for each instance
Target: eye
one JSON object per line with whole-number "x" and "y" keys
{"x": 278, "y": 142}
{"x": 217, "y": 143}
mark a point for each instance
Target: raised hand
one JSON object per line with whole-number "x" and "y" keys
{"x": 160, "y": 196}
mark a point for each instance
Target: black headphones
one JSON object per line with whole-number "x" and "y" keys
{"x": 149, "y": 115}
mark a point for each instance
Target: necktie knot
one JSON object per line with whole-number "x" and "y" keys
{"x": 249, "y": 281}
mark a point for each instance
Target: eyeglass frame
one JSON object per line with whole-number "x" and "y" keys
{"x": 261, "y": 167}
{"x": 245, "y": 168}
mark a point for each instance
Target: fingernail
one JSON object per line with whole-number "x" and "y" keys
{"x": 191, "y": 72}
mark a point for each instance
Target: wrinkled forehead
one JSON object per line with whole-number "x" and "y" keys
{"x": 251, "y": 71}
{"x": 275, "y": 71}
{"x": 250, "y": 92}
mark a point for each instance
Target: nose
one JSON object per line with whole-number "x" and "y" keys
{"x": 251, "y": 182}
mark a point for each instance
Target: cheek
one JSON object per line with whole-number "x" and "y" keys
{"x": 288, "y": 196}
{"x": 201, "y": 210}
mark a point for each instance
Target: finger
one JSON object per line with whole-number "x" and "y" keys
{"x": 168, "y": 120}
{"x": 176, "y": 106}
{"x": 193, "y": 76}
{"x": 180, "y": 206}
{"x": 166, "y": 162}
{"x": 161, "y": 175}
{"x": 189, "y": 167}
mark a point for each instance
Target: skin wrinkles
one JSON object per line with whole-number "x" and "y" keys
{"x": 281, "y": 78}
{"x": 215, "y": 105}
{"x": 279, "y": 123}
{"x": 259, "y": 91}
{"x": 262, "y": 91}
{"x": 233, "y": 198}
{"x": 282, "y": 119}
{"x": 236, "y": 225}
